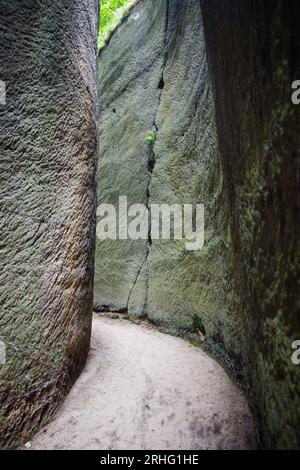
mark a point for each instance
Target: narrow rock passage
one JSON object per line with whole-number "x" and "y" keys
{"x": 145, "y": 390}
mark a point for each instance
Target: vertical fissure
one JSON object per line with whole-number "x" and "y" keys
{"x": 151, "y": 166}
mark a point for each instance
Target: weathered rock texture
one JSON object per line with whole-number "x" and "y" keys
{"x": 47, "y": 185}
{"x": 242, "y": 290}
{"x": 129, "y": 98}
{"x": 153, "y": 77}
{"x": 254, "y": 50}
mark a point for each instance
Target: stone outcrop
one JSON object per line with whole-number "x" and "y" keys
{"x": 153, "y": 77}
{"x": 254, "y": 49}
{"x": 225, "y": 136}
{"x": 47, "y": 173}
{"x": 129, "y": 97}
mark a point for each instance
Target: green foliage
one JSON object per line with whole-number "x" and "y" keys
{"x": 111, "y": 14}
{"x": 150, "y": 138}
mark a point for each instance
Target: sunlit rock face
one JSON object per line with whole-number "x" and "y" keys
{"x": 47, "y": 173}
{"x": 253, "y": 50}
{"x": 153, "y": 78}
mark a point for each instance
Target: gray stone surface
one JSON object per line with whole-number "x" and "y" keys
{"x": 131, "y": 69}
{"x": 47, "y": 205}
{"x": 227, "y": 139}
{"x": 254, "y": 49}
{"x": 188, "y": 290}
{"x": 153, "y": 76}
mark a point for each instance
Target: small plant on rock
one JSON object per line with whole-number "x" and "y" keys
{"x": 150, "y": 138}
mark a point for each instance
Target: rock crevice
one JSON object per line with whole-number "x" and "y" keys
{"x": 151, "y": 167}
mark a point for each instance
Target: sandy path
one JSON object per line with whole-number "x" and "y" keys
{"x": 145, "y": 390}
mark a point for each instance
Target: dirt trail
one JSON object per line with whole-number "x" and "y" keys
{"x": 145, "y": 390}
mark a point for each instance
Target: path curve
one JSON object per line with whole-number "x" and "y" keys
{"x": 142, "y": 389}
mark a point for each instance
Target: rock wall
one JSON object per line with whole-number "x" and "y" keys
{"x": 128, "y": 96}
{"x": 226, "y": 137}
{"x": 254, "y": 50}
{"x": 47, "y": 212}
{"x": 153, "y": 77}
